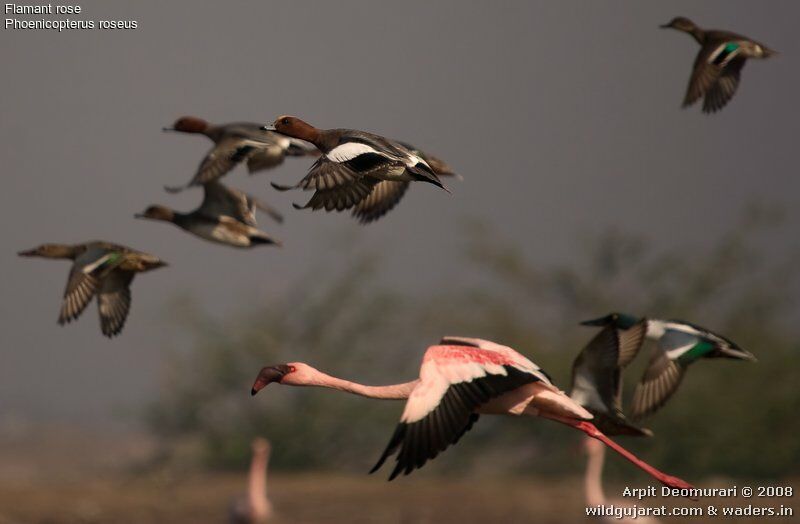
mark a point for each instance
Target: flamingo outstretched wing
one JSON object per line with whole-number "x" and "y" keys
{"x": 456, "y": 378}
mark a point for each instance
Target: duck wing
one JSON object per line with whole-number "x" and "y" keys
{"x": 275, "y": 153}
{"x": 713, "y": 62}
{"x": 337, "y": 186}
{"x": 597, "y": 370}
{"x": 85, "y": 279}
{"x": 663, "y": 374}
{"x": 267, "y": 157}
{"x": 222, "y": 158}
{"x": 721, "y": 91}
{"x": 114, "y": 301}
{"x": 81, "y": 287}
{"x": 384, "y": 196}
{"x": 221, "y": 200}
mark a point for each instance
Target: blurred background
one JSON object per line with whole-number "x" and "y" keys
{"x": 587, "y": 189}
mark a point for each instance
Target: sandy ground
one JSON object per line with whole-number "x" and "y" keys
{"x": 76, "y": 478}
{"x": 311, "y": 498}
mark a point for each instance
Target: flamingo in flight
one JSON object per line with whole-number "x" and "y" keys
{"x": 460, "y": 379}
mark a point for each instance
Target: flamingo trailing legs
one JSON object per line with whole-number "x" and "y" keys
{"x": 460, "y": 379}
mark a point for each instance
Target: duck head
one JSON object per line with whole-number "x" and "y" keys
{"x": 681, "y": 23}
{"x": 157, "y": 213}
{"x": 189, "y": 124}
{"x": 295, "y": 128}
{"x": 618, "y": 320}
{"x": 49, "y": 251}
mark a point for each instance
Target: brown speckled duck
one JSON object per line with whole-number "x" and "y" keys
{"x": 226, "y": 216}
{"x": 100, "y": 269}
{"x": 718, "y": 65}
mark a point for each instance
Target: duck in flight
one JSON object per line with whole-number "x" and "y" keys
{"x": 235, "y": 143}
{"x": 718, "y": 66}
{"x": 597, "y": 376}
{"x": 387, "y": 193}
{"x": 99, "y": 269}
{"x": 226, "y": 216}
{"x": 352, "y": 164}
{"x": 678, "y": 344}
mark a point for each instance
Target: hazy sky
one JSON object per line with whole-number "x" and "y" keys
{"x": 564, "y": 118}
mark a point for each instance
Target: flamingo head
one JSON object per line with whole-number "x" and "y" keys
{"x": 292, "y": 373}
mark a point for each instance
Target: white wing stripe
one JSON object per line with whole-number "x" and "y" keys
{"x": 350, "y": 150}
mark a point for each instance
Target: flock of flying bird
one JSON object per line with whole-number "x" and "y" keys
{"x": 460, "y": 378}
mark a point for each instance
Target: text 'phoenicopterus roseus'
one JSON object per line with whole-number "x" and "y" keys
{"x": 460, "y": 379}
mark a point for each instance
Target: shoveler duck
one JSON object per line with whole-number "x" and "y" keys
{"x": 387, "y": 193}
{"x": 226, "y": 216}
{"x": 351, "y": 165}
{"x": 597, "y": 377}
{"x": 678, "y": 345}
{"x": 718, "y": 65}
{"x": 235, "y": 143}
{"x": 100, "y": 269}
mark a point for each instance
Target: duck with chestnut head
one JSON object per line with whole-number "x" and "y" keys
{"x": 235, "y": 143}
{"x": 349, "y": 173}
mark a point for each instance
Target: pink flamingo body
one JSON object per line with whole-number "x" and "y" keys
{"x": 460, "y": 379}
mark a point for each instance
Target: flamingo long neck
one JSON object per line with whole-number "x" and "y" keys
{"x": 257, "y": 485}
{"x": 390, "y": 392}
{"x": 593, "y": 481}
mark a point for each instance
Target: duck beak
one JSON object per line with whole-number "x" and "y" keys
{"x": 738, "y": 354}
{"x": 139, "y": 215}
{"x": 168, "y": 129}
{"x": 665, "y": 26}
{"x": 268, "y": 128}
{"x": 602, "y": 321}
{"x": 27, "y": 253}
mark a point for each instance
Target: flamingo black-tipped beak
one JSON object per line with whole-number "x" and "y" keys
{"x": 267, "y": 376}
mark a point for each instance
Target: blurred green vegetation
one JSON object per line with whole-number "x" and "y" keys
{"x": 729, "y": 418}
